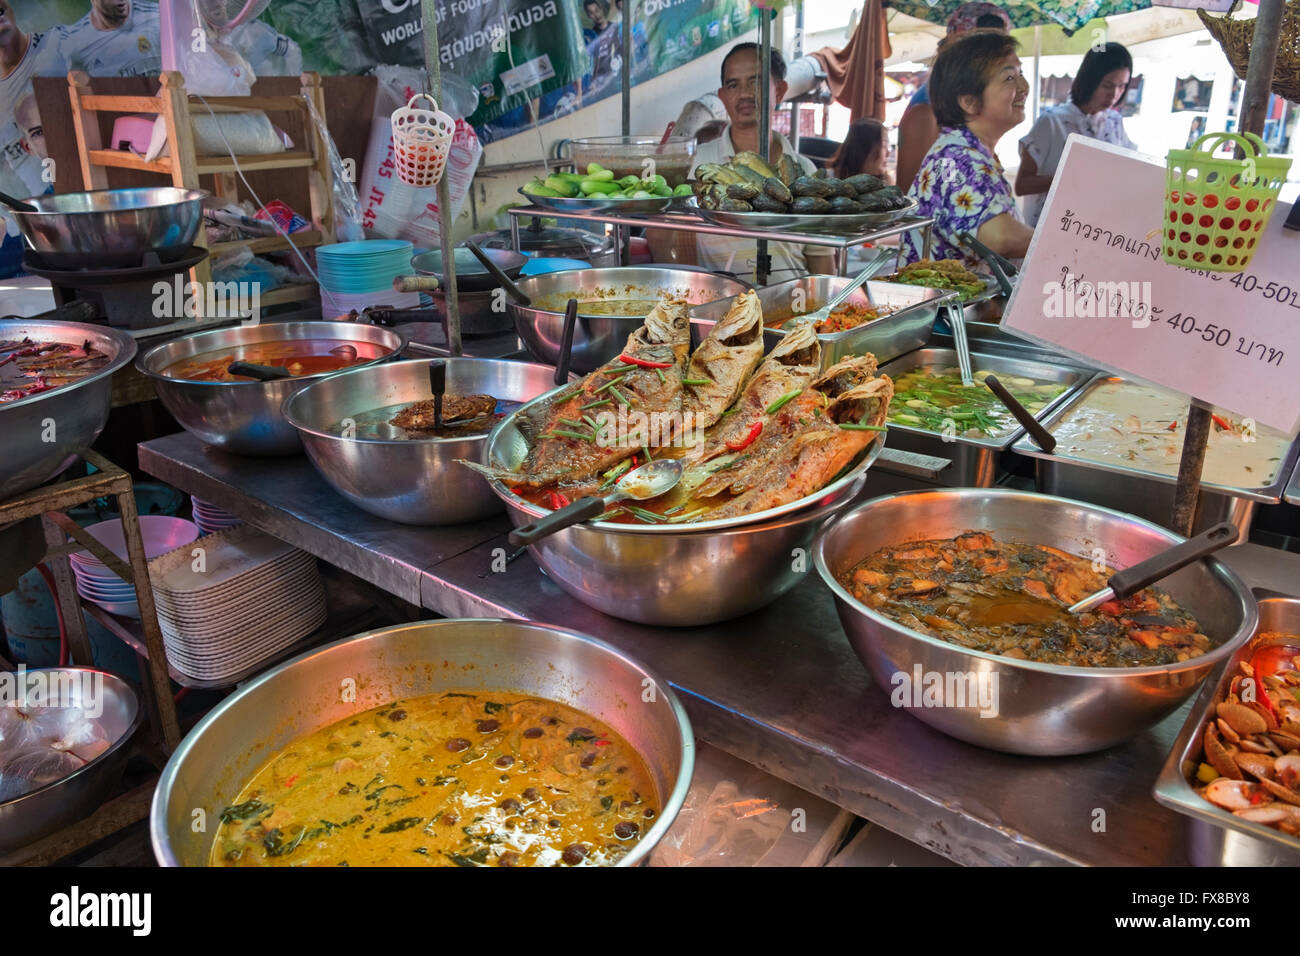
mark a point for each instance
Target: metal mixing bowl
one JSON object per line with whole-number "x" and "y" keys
{"x": 246, "y": 417}
{"x": 112, "y": 228}
{"x": 44, "y": 432}
{"x": 677, "y": 575}
{"x": 414, "y": 481}
{"x": 232, "y": 742}
{"x": 598, "y": 338}
{"x": 1042, "y": 709}
{"x": 28, "y": 818}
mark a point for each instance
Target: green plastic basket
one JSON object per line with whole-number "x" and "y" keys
{"x": 1216, "y": 209}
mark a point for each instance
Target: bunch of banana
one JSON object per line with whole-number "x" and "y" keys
{"x": 750, "y": 184}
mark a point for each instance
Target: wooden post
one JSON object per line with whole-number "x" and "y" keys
{"x": 1254, "y": 104}
{"x": 86, "y": 126}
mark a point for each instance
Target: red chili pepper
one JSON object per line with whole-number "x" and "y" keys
{"x": 557, "y": 500}
{"x": 602, "y": 743}
{"x": 642, "y": 363}
{"x": 289, "y": 782}
{"x": 1221, "y": 423}
{"x": 1173, "y": 427}
{"x": 754, "y": 431}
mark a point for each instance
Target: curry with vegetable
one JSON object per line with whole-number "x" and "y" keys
{"x": 445, "y": 780}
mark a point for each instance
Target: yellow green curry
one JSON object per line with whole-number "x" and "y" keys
{"x": 445, "y": 780}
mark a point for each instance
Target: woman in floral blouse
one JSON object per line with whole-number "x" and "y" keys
{"x": 1097, "y": 89}
{"x": 978, "y": 94}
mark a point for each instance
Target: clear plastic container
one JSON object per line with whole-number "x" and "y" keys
{"x": 626, "y": 155}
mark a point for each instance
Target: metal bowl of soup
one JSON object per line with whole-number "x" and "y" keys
{"x": 475, "y": 659}
{"x": 243, "y": 415}
{"x": 1026, "y": 706}
{"x": 612, "y": 303}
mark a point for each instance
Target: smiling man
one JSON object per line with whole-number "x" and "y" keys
{"x": 740, "y": 95}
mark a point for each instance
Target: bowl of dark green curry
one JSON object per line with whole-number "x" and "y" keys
{"x": 956, "y": 601}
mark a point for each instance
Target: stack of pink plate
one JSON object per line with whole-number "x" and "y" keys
{"x": 243, "y": 598}
{"x": 98, "y": 585}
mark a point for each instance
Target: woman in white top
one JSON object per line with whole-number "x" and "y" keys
{"x": 1098, "y": 88}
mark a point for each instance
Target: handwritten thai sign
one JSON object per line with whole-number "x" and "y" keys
{"x": 1096, "y": 286}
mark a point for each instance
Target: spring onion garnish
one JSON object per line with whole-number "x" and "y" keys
{"x": 644, "y": 515}
{"x": 851, "y": 426}
{"x": 689, "y": 516}
{"x": 618, "y": 469}
{"x": 697, "y": 381}
{"x": 788, "y": 396}
{"x": 618, "y": 396}
{"x": 603, "y": 401}
{"x": 570, "y": 421}
{"x": 611, "y": 383}
{"x": 564, "y": 433}
{"x": 608, "y": 514}
{"x": 595, "y": 425}
{"x": 663, "y": 379}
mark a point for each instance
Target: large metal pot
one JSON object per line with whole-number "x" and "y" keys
{"x": 1041, "y": 709}
{"x": 44, "y": 432}
{"x": 677, "y": 575}
{"x": 598, "y": 338}
{"x": 112, "y": 228}
{"x": 413, "y": 481}
{"x": 246, "y": 417}
{"x": 26, "y": 819}
{"x": 228, "y": 746}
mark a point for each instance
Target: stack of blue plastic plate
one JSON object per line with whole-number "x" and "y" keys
{"x": 354, "y": 275}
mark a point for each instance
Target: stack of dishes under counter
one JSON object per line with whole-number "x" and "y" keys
{"x": 210, "y": 518}
{"x": 234, "y": 599}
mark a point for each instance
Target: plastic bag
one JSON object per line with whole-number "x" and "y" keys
{"x": 347, "y": 205}
{"x": 216, "y": 68}
{"x": 35, "y": 768}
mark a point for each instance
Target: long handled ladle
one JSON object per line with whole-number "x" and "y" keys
{"x": 1124, "y": 583}
{"x": 651, "y": 480}
{"x": 1041, "y": 436}
{"x": 507, "y": 283}
{"x": 17, "y": 205}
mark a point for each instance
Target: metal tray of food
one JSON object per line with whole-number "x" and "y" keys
{"x": 1215, "y": 836}
{"x": 1292, "y": 496}
{"x": 626, "y": 207}
{"x": 836, "y": 224}
{"x": 907, "y": 326}
{"x": 975, "y": 459}
{"x": 1147, "y": 494}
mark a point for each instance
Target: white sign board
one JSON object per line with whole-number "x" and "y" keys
{"x": 1095, "y": 284}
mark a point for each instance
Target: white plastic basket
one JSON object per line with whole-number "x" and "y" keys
{"x": 421, "y": 142}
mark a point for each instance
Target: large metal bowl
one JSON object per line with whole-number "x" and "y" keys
{"x": 1217, "y": 837}
{"x": 246, "y": 417}
{"x": 44, "y": 432}
{"x": 598, "y": 338}
{"x": 414, "y": 481}
{"x": 28, "y": 818}
{"x": 112, "y": 228}
{"x": 677, "y": 575}
{"x": 232, "y": 742}
{"x": 1042, "y": 709}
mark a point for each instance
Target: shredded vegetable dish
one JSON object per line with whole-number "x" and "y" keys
{"x": 934, "y": 399}
{"x": 445, "y": 780}
{"x": 941, "y": 274}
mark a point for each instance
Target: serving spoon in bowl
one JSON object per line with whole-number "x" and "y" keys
{"x": 651, "y": 480}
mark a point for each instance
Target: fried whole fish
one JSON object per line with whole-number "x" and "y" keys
{"x": 725, "y": 360}
{"x": 568, "y": 443}
{"x": 791, "y": 366}
{"x": 802, "y": 446}
{"x": 420, "y": 415}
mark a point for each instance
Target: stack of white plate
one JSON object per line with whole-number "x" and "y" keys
{"x": 210, "y": 518}
{"x": 243, "y": 599}
{"x": 98, "y": 585}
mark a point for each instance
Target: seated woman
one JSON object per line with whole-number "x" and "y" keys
{"x": 1097, "y": 89}
{"x": 978, "y": 93}
{"x": 863, "y": 151}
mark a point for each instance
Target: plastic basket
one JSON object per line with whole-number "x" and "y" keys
{"x": 421, "y": 142}
{"x": 1217, "y": 209}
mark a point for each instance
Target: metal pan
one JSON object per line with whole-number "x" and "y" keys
{"x": 1146, "y": 494}
{"x": 1215, "y": 836}
{"x": 470, "y": 274}
{"x": 835, "y": 224}
{"x": 908, "y": 326}
{"x": 975, "y": 460}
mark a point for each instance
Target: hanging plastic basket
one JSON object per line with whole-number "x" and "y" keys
{"x": 1216, "y": 210}
{"x": 421, "y": 142}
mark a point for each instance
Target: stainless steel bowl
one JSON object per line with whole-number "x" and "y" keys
{"x": 598, "y": 338}
{"x": 414, "y": 481}
{"x": 677, "y": 575}
{"x": 112, "y": 228}
{"x": 246, "y": 417}
{"x": 1215, "y": 836}
{"x": 28, "y": 818}
{"x": 230, "y": 744}
{"x": 44, "y": 432}
{"x": 1042, "y": 709}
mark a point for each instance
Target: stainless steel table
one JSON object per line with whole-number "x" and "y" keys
{"x": 780, "y": 688}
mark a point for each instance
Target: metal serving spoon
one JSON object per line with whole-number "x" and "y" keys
{"x": 651, "y": 480}
{"x": 1124, "y": 583}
